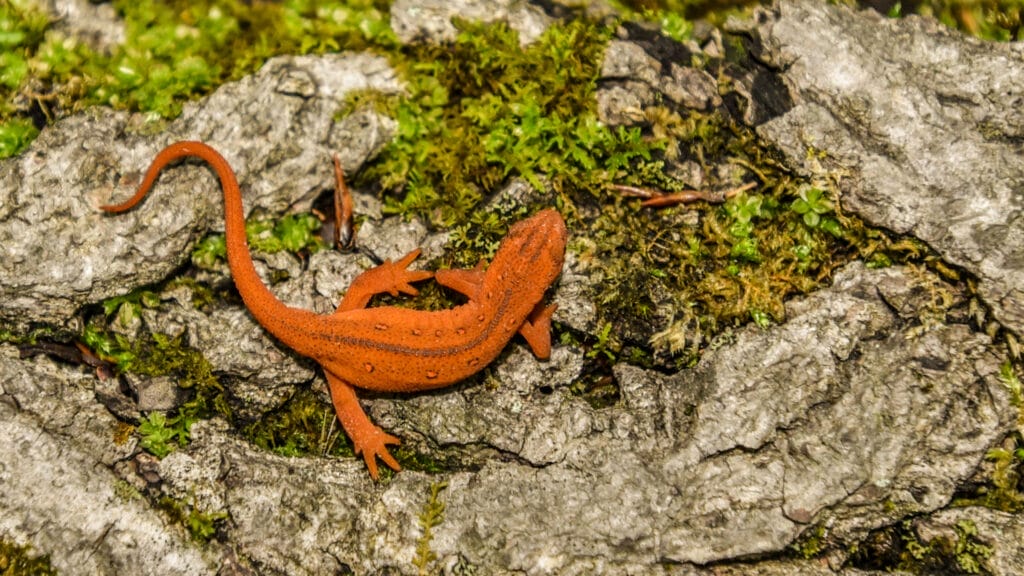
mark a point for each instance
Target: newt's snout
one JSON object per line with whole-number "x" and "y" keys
{"x": 541, "y": 242}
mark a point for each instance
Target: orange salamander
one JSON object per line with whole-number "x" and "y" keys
{"x": 391, "y": 349}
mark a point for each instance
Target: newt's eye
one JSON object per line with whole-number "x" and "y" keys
{"x": 528, "y": 249}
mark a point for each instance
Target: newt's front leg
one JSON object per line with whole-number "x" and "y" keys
{"x": 390, "y": 277}
{"x": 367, "y": 438}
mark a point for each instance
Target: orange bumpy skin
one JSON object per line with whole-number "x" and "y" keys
{"x": 396, "y": 349}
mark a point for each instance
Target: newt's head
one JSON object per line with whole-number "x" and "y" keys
{"x": 535, "y": 248}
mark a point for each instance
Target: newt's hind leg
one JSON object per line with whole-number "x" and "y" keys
{"x": 390, "y": 277}
{"x": 368, "y": 439}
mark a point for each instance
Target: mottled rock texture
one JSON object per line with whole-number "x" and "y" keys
{"x": 928, "y": 125}
{"x": 276, "y": 129}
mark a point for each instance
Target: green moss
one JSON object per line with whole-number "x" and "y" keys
{"x": 156, "y": 355}
{"x": 970, "y": 552}
{"x": 702, "y": 269}
{"x": 296, "y": 233}
{"x": 162, "y": 355}
{"x": 210, "y": 252}
{"x": 307, "y": 426}
{"x": 293, "y": 232}
{"x": 19, "y": 561}
{"x": 15, "y": 135}
{"x": 430, "y": 517}
{"x": 418, "y": 461}
{"x": 483, "y": 109}
{"x": 596, "y": 386}
{"x": 811, "y": 543}
{"x": 673, "y": 25}
{"x": 19, "y": 337}
{"x": 109, "y": 346}
{"x": 173, "y": 51}
{"x": 714, "y": 11}
{"x": 303, "y": 426}
{"x": 202, "y": 295}
{"x": 157, "y": 433}
{"x": 898, "y": 547}
{"x": 1008, "y": 376}
{"x": 125, "y": 491}
{"x": 1002, "y": 491}
{"x": 999, "y": 20}
{"x": 201, "y": 525}
{"x": 475, "y": 113}
{"x": 129, "y": 306}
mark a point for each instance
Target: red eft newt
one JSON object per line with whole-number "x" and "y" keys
{"x": 391, "y": 349}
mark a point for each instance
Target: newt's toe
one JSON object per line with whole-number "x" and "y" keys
{"x": 375, "y": 446}
{"x": 401, "y": 278}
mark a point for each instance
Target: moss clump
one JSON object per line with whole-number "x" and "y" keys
{"x": 201, "y": 525}
{"x": 999, "y": 20}
{"x": 1003, "y": 489}
{"x": 898, "y": 547}
{"x": 16, "y": 135}
{"x": 296, "y": 233}
{"x": 484, "y": 108}
{"x": 702, "y": 269}
{"x": 306, "y": 426}
{"x": 173, "y": 51}
{"x": 30, "y": 337}
{"x": 19, "y": 561}
{"x": 431, "y": 517}
{"x": 162, "y": 355}
{"x": 811, "y": 543}
{"x": 159, "y": 434}
{"x": 303, "y": 426}
{"x": 1008, "y": 376}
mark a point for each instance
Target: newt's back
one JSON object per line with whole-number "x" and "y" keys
{"x": 397, "y": 349}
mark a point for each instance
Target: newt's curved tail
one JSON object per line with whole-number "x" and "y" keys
{"x": 263, "y": 305}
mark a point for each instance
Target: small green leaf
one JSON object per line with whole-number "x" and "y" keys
{"x": 747, "y": 250}
{"x": 16, "y": 135}
{"x": 13, "y": 69}
{"x": 11, "y": 38}
{"x": 832, "y": 226}
{"x": 761, "y": 318}
{"x": 800, "y": 206}
{"x": 209, "y": 251}
{"x": 155, "y": 436}
{"x": 675, "y": 26}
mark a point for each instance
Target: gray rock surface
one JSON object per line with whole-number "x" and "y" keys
{"x": 836, "y": 418}
{"x": 431, "y": 20}
{"x": 58, "y": 492}
{"x": 836, "y": 415}
{"x": 928, "y": 124}
{"x": 633, "y": 79}
{"x": 276, "y": 129}
{"x": 95, "y": 24}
